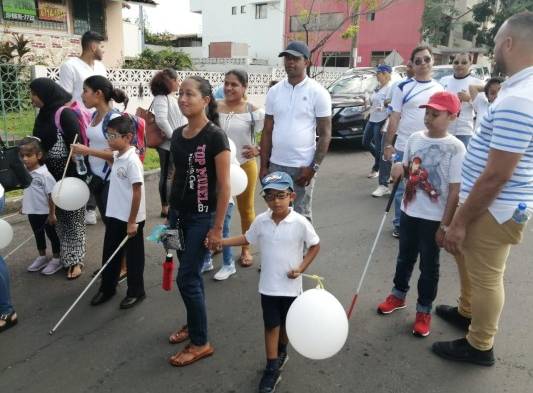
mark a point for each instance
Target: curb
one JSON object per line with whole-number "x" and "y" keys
{"x": 14, "y": 204}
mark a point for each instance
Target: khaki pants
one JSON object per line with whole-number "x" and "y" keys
{"x": 481, "y": 267}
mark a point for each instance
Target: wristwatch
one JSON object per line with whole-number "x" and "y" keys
{"x": 314, "y": 166}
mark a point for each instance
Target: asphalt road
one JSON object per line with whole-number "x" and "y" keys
{"x": 105, "y": 349}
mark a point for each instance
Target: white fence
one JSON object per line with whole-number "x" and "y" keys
{"x": 136, "y": 83}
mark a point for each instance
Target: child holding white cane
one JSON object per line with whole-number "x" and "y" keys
{"x": 125, "y": 215}
{"x": 282, "y": 235}
{"x": 432, "y": 169}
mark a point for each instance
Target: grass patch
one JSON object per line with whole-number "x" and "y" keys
{"x": 151, "y": 159}
{"x": 17, "y": 124}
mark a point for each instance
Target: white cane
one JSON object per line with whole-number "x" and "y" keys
{"x": 19, "y": 246}
{"x": 89, "y": 285}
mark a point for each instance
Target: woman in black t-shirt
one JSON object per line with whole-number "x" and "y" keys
{"x": 199, "y": 198}
{"x": 49, "y": 97}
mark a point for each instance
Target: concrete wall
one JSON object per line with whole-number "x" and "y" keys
{"x": 132, "y": 39}
{"x": 263, "y": 36}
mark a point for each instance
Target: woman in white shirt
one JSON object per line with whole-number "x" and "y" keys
{"x": 168, "y": 117}
{"x": 242, "y": 121}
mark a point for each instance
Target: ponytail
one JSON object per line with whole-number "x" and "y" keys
{"x": 212, "y": 110}
{"x": 120, "y": 97}
{"x": 98, "y": 82}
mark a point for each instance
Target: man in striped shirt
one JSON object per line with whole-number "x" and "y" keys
{"x": 497, "y": 175}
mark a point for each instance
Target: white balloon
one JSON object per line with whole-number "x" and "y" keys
{"x": 74, "y": 194}
{"x": 233, "y": 151}
{"x": 6, "y": 234}
{"x": 238, "y": 179}
{"x": 317, "y": 325}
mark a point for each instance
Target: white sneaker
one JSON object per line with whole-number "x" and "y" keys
{"x": 208, "y": 265}
{"x": 373, "y": 175}
{"x": 53, "y": 267}
{"x": 38, "y": 263}
{"x": 381, "y": 191}
{"x": 90, "y": 217}
{"x": 224, "y": 272}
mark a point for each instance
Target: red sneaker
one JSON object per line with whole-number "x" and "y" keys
{"x": 391, "y": 304}
{"x": 422, "y": 324}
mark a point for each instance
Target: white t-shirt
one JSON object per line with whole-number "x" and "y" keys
{"x": 295, "y": 109}
{"x": 378, "y": 111}
{"x": 73, "y": 73}
{"x": 282, "y": 248}
{"x": 168, "y": 116}
{"x": 238, "y": 128}
{"x": 35, "y": 198}
{"x": 406, "y": 99}
{"x": 464, "y": 125}
{"x": 481, "y": 106}
{"x": 126, "y": 170}
{"x": 97, "y": 140}
{"x": 434, "y": 163}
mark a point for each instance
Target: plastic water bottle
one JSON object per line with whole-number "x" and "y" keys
{"x": 520, "y": 215}
{"x": 81, "y": 168}
{"x": 168, "y": 270}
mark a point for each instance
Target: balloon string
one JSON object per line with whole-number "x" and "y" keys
{"x": 66, "y": 166}
{"x": 319, "y": 280}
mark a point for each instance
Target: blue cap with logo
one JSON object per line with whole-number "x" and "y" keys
{"x": 296, "y": 48}
{"x": 384, "y": 68}
{"x": 277, "y": 181}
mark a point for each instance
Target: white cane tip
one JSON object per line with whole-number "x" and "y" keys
{"x": 51, "y": 332}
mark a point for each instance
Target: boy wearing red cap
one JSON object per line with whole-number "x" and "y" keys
{"x": 431, "y": 166}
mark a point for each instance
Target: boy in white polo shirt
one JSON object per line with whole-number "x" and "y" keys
{"x": 125, "y": 215}
{"x": 282, "y": 235}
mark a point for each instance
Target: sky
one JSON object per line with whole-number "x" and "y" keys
{"x": 171, "y": 16}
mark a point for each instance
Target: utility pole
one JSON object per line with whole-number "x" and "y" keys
{"x": 141, "y": 26}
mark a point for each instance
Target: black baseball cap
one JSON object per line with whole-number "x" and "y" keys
{"x": 296, "y": 48}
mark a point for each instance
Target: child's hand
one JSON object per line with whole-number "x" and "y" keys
{"x": 52, "y": 219}
{"x": 132, "y": 229}
{"x": 78, "y": 148}
{"x": 439, "y": 237}
{"x": 294, "y": 273}
{"x": 397, "y": 171}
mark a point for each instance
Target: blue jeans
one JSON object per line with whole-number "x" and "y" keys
{"x": 372, "y": 141}
{"x": 417, "y": 236}
{"x": 5, "y": 296}
{"x": 384, "y": 166}
{"x": 227, "y": 254}
{"x": 399, "y": 195}
{"x": 189, "y": 279}
{"x": 465, "y": 139}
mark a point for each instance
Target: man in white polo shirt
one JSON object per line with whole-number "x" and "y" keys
{"x": 407, "y": 117}
{"x": 73, "y": 73}
{"x": 298, "y": 109}
{"x": 497, "y": 176}
{"x": 458, "y": 83}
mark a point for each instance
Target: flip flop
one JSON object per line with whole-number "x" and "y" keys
{"x": 193, "y": 355}
{"x": 71, "y": 270}
{"x": 9, "y": 321}
{"x": 179, "y": 336}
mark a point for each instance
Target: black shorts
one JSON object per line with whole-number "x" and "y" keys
{"x": 275, "y": 309}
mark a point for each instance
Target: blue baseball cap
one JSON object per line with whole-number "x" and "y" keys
{"x": 384, "y": 68}
{"x": 296, "y": 48}
{"x": 277, "y": 181}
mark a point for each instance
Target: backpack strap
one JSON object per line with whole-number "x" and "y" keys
{"x": 57, "y": 118}
{"x": 252, "y": 124}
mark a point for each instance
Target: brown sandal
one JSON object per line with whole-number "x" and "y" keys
{"x": 180, "y": 336}
{"x": 70, "y": 272}
{"x": 190, "y": 355}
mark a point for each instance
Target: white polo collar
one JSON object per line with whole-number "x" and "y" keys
{"x": 518, "y": 77}
{"x": 303, "y": 82}
{"x": 129, "y": 152}
{"x": 290, "y": 217}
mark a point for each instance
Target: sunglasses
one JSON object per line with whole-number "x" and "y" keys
{"x": 420, "y": 60}
{"x": 457, "y": 62}
{"x": 278, "y": 195}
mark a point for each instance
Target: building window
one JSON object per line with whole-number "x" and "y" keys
{"x": 371, "y": 16}
{"x": 261, "y": 11}
{"x": 243, "y": 9}
{"x": 88, "y": 15}
{"x": 49, "y": 15}
{"x": 320, "y": 22}
{"x": 234, "y": 10}
{"x": 335, "y": 59}
{"x": 377, "y": 57}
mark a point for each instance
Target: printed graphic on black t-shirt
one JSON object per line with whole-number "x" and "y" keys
{"x": 195, "y": 180}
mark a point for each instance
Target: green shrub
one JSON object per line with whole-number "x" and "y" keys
{"x": 167, "y": 58}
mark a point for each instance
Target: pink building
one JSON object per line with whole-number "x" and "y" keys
{"x": 395, "y": 27}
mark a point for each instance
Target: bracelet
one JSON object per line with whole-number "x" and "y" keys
{"x": 444, "y": 228}
{"x": 389, "y": 146}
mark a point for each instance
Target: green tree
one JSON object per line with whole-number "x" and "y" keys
{"x": 167, "y": 58}
{"x": 437, "y": 21}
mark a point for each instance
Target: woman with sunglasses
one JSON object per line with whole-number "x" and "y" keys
{"x": 459, "y": 83}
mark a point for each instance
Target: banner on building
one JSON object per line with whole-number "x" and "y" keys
{"x": 21, "y": 10}
{"x": 53, "y": 12}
